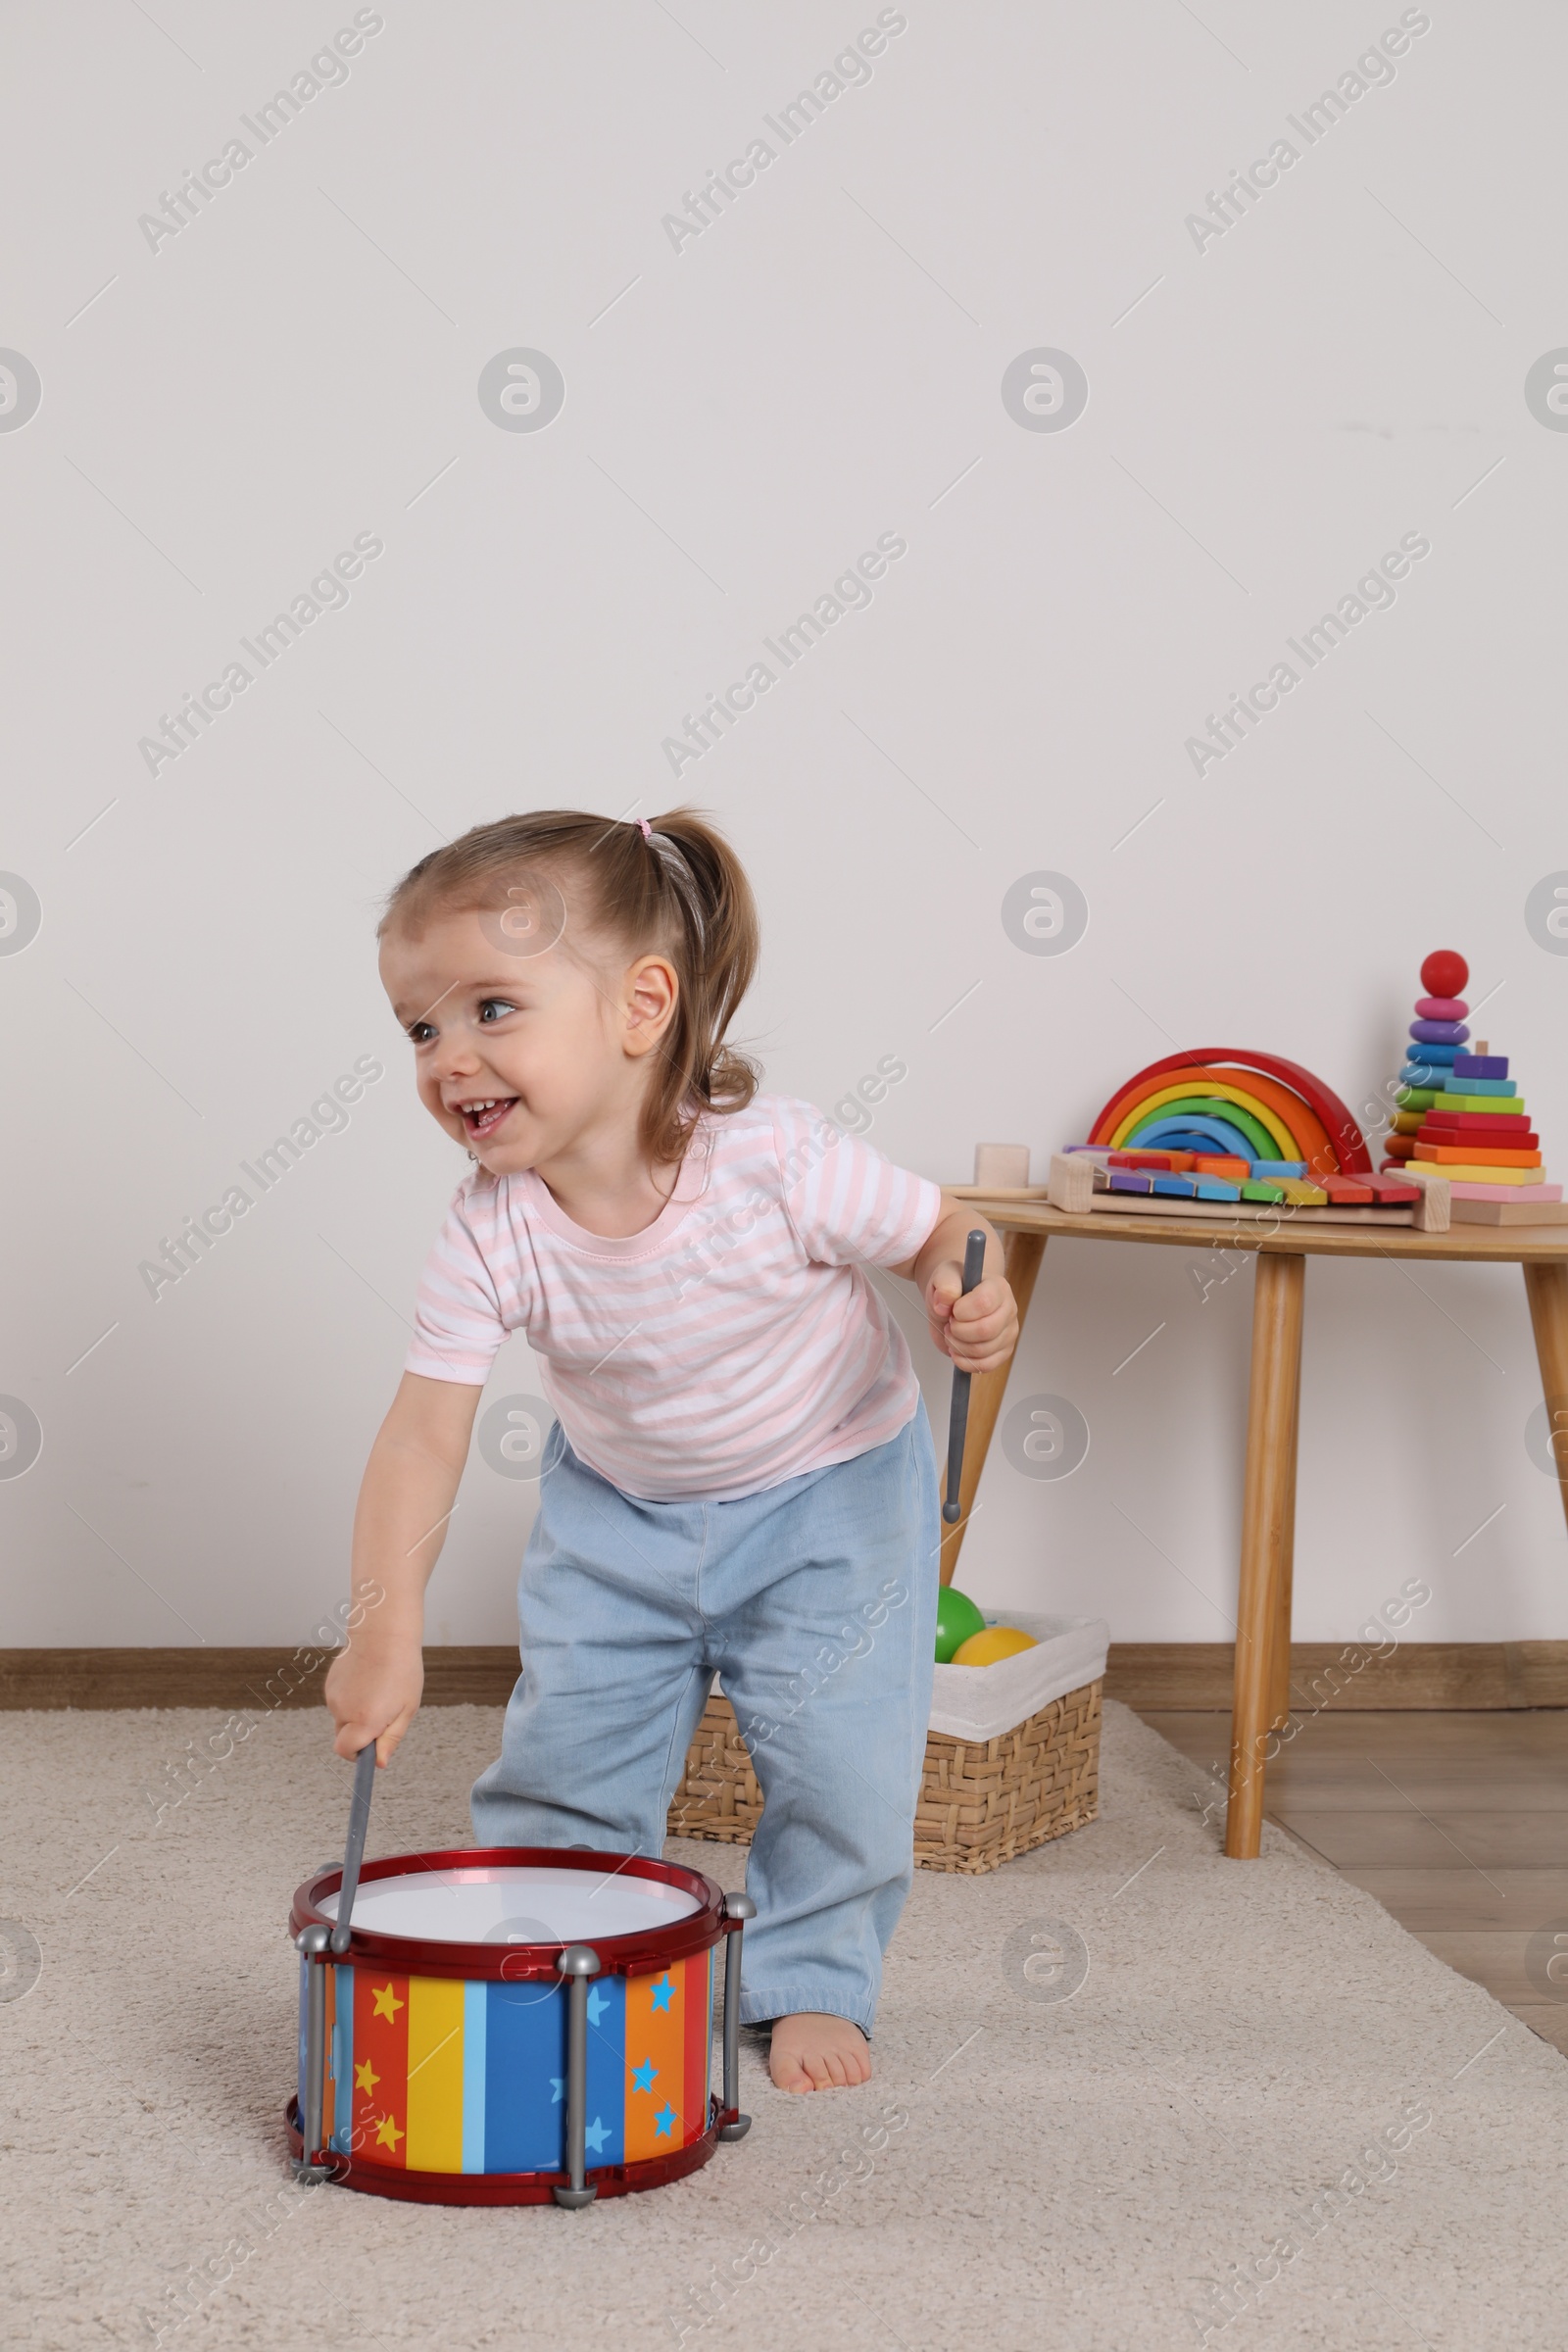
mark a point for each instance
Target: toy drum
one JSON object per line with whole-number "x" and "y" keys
{"x": 512, "y": 2024}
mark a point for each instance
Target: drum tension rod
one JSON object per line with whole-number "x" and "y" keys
{"x": 314, "y": 1943}
{"x": 578, "y": 1963}
{"x": 739, "y": 1908}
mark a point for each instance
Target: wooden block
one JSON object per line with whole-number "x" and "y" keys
{"x": 1342, "y": 1191}
{"x": 1130, "y": 1180}
{"x": 1215, "y": 1188}
{"x": 1434, "y": 1211}
{"x": 1301, "y": 1194}
{"x": 1001, "y": 1166}
{"x": 1405, "y": 1122}
{"x": 986, "y": 1192}
{"x": 1418, "y": 1098}
{"x": 1163, "y": 1162}
{"x": 1268, "y": 1169}
{"x": 1471, "y": 1148}
{"x": 1255, "y": 1189}
{"x": 1175, "y": 1186}
{"x": 1392, "y": 1188}
{"x": 1521, "y": 1193}
{"x": 1462, "y": 1169}
{"x": 1511, "y": 1212}
{"x": 1476, "y": 1122}
{"x": 1444, "y": 1101}
{"x": 1221, "y": 1164}
{"x": 1472, "y": 1084}
{"x": 1071, "y": 1185}
{"x": 1481, "y": 1065}
{"x": 1494, "y": 1135}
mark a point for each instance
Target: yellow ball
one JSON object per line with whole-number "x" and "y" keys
{"x": 997, "y": 1641}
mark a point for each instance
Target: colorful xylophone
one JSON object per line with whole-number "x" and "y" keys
{"x": 1220, "y": 1131}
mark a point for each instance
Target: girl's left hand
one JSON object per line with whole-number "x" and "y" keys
{"x": 979, "y": 1328}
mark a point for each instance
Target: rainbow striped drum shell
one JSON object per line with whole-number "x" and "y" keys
{"x": 444, "y": 2074}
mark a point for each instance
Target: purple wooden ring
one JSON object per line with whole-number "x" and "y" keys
{"x": 1438, "y": 1032}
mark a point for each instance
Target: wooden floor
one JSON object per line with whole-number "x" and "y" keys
{"x": 1457, "y": 1823}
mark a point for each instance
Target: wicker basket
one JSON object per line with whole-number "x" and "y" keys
{"x": 980, "y": 1804}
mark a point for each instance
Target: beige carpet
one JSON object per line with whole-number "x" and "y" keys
{"x": 1266, "y": 2113}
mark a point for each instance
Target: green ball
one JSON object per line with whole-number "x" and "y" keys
{"x": 956, "y": 1619}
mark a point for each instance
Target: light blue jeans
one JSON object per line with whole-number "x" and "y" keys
{"x": 815, "y": 1603}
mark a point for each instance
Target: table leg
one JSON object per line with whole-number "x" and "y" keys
{"x": 1280, "y": 1671}
{"x": 1023, "y": 1253}
{"x": 1276, "y": 1374}
{"x": 1547, "y": 1288}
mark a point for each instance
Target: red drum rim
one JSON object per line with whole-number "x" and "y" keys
{"x": 506, "y": 2188}
{"x": 519, "y": 1962}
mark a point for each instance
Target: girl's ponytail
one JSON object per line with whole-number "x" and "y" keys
{"x": 709, "y": 883}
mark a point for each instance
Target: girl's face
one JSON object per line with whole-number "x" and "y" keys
{"x": 526, "y": 1059}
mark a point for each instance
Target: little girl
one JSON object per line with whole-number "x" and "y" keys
{"x": 739, "y": 1479}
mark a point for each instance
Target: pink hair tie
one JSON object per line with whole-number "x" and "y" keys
{"x": 648, "y": 830}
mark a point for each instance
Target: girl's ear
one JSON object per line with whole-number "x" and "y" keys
{"x": 652, "y": 992}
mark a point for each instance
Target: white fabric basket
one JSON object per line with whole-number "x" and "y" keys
{"x": 982, "y": 1702}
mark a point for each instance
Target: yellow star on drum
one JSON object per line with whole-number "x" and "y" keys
{"x": 390, "y": 2136}
{"x": 387, "y": 2003}
{"x": 366, "y": 2076}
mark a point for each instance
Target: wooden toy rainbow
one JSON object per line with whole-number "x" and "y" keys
{"x": 1225, "y": 1099}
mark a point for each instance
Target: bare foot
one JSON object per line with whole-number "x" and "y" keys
{"x": 817, "y": 2052}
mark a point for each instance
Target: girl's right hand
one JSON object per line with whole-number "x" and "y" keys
{"x": 374, "y": 1696}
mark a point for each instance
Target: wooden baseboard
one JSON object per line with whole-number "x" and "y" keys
{"x": 455, "y": 1674}
{"x": 1195, "y": 1677}
{"x": 1181, "y": 1676}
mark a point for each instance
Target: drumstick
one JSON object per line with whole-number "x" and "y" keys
{"x": 354, "y": 1854}
{"x": 974, "y": 1259}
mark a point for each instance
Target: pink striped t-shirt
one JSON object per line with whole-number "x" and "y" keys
{"x": 733, "y": 1342}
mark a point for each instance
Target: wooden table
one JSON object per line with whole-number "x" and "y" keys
{"x": 1261, "y": 1700}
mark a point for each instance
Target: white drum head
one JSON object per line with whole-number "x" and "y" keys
{"x": 514, "y": 1903}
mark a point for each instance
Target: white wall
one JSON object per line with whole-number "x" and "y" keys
{"x": 299, "y": 365}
